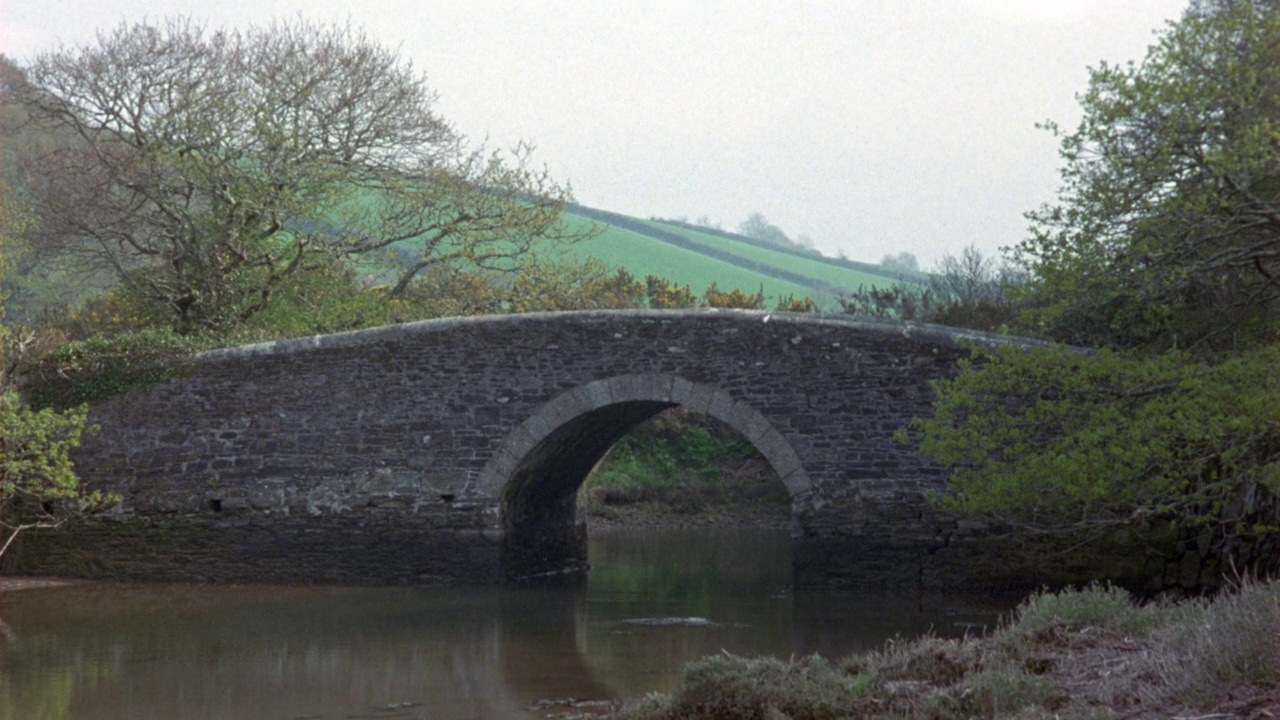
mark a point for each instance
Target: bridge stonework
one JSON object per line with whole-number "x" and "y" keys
{"x": 450, "y": 451}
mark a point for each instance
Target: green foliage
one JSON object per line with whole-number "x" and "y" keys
{"x": 1096, "y": 606}
{"x": 714, "y": 297}
{"x": 661, "y": 294}
{"x": 565, "y": 284}
{"x": 683, "y": 461}
{"x": 1162, "y": 246}
{"x": 791, "y": 304}
{"x": 38, "y": 483}
{"x": 89, "y": 371}
{"x": 334, "y": 298}
{"x": 34, "y": 447}
{"x": 730, "y": 687}
{"x": 327, "y": 297}
{"x": 1165, "y": 231}
{"x": 673, "y": 448}
{"x": 1054, "y": 438}
{"x": 894, "y": 302}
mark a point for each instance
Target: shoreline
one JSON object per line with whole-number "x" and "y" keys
{"x": 661, "y": 516}
{"x": 17, "y": 583}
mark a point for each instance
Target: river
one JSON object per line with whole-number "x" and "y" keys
{"x": 652, "y": 601}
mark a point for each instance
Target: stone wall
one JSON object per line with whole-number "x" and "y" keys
{"x": 450, "y": 450}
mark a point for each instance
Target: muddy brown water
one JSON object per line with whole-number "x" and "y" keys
{"x": 653, "y": 601}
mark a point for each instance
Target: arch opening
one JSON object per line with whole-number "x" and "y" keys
{"x": 537, "y": 470}
{"x": 681, "y": 468}
{"x": 542, "y": 534}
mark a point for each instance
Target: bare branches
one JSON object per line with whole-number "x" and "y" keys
{"x": 208, "y": 166}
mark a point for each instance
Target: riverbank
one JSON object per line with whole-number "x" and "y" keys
{"x": 1076, "y": 654}
{"x": 658, "y": 515}
{"x": 739, "y": 492}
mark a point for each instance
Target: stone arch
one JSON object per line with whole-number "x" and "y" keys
{"x": 537, "y": 469}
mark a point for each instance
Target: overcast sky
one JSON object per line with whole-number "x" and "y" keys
{"x": 871, "y": 126}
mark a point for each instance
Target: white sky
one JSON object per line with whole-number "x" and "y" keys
{"x": 872, "y": 126}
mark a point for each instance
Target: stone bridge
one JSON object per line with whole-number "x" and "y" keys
{"x": 450, "y": 451}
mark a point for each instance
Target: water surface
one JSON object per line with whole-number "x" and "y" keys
{"x": 652, "y": 601}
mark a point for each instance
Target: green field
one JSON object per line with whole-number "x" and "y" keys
{"x": 707, "y": 258}
{"x": 820, "y": 270}
{"x": 642, "y": 255}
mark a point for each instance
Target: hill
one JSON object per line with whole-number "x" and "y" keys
{"x": 698, "y": 256}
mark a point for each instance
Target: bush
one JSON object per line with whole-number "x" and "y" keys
{"x": 90, "y": 371}
{"x": 1232, "y": 642}
{"x": 997, "y": 692}
{"x": 730, "y": 687}
{"x": 1101, "y": 606}
{"x": 38, "y": 484}
{"x": 683, "y": 458}
{"x": 1058, "y": 440}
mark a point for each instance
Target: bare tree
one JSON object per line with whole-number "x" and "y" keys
{"x": 903, "y": 262}
{"x": 756, "y": 226}
{"x": 970, "y": 290}
{"x": 211, "y": 165}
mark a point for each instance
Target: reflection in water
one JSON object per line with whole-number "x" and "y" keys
{"x": 158, "y": 651}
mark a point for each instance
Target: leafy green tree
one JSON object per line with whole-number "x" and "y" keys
{"x": 211, "y": 166}
{"x": 1167, "y": 229}
{"x": 1163, "y": 249}
{"x": 1056, "y": 440}
{"x": 38, "y": 484}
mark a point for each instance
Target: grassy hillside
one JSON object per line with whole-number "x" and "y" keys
{"x": 698, "y": 257}
{"x": 644, "y": 255}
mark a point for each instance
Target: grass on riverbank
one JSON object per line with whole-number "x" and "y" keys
{"x": 684, "y": 465}
{"x": 1088, "y": 653}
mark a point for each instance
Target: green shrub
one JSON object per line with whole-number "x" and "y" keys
{"x": 1101, "y": 606}
{"x": 90, "y": 371}
{"x": 38, "y": 483}
{"x": 1053, "y": 439}
{"x": 998, "y": 692}
{"x": 731, "y": 687}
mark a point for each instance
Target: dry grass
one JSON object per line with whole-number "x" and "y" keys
{"x": 1088, "y": 653}
{"x": 1233, "y": 642}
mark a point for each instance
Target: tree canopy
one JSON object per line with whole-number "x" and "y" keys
{"x": 1167, "y": 230}
{"x": 207, "y": 166}
{"x": 1162, "y": 252}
